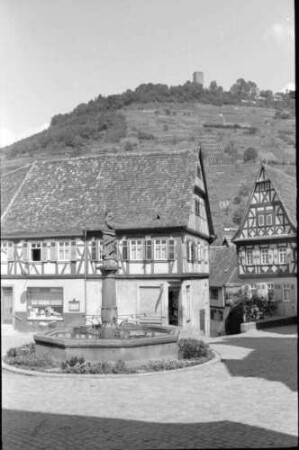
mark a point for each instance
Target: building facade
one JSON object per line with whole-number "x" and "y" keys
{"x": 266, "y": 240}
{"x": 51, "y": 243}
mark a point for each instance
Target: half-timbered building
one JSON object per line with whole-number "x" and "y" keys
{"x": 51, "y": 242}
{"x": 266, "y": 240}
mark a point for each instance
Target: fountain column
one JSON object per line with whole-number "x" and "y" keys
{"x": 109, "y": 270}
{"x": 109, "y": 308}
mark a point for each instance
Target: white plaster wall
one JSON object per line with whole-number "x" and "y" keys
{"x": 72, "y": 289}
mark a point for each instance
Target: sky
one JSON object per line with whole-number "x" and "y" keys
{"x": 56, "y": 54}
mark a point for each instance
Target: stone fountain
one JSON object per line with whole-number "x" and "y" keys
{"x": 109, "y": 341}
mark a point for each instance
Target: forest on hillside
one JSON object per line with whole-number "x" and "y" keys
{"x": 101, "y": 120}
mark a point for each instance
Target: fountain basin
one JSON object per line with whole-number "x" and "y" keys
{"x": 152, "y": 343}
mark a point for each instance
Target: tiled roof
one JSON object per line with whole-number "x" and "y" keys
{"x": 223, "y": 266}
{"x": 10, "y": 185}
{"x": 285, "y": 186}
{"x": 71, "y": 194}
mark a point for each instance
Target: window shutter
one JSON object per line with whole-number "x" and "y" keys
{"x": 171, "y": 249}
{"x": 94, "y": 250}
{"x": 242, "y": 256}
{"x": 275, "y": 256}
{"x": 25, "y": 251}
{"x": 44, "y": 252}
{"x": 100, "y": 250}
{"x": 148, "y": 250}
{"x": 193, "y": 248}
{"x": 125, "y": 251}
{"x": 188, "y": 245}
{"x": 73, "y": 251}
{"x": 270, "y": 253}
{"x": 256, "y": 256}
{"x": 10, "y": 251}
{"x": 199, "y": 252}
{"x": 53, "y": 251}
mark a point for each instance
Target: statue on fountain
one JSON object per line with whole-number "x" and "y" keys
{"x": 109, "y": 241}
{"x": 109, "y": 269}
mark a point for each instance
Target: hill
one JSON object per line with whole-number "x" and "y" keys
{"x": 225, "y": 130}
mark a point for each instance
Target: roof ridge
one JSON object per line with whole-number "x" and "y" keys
{"x": 116, "y": 154}
{"x": 17, "y": 192}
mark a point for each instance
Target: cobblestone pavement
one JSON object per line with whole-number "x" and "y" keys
{"x": 248, "y": 400}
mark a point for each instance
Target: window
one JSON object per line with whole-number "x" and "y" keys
{"x": 64, "y": 251}
{"x": 124, "y": 250}
{"x": 160, "y": 249}
{"x": 198, "y": 172}
{"x": 286, "y": 292}
{"x": 261, "y": 220}
{"x": 171, "y": 250}
{"x": 269, "y": 219}
{"x": 36, "y": 251}
{"x": 45, "y": 303}
{"x": 148, "y": 250}
{"x": 265, "y": 256}
{"x": 10, "y": 251}
{"x": 214, "y": 293}
{"x": 96, "y": 250}
{"x": 190, "y": 255}
{"x": 197, "y": 208}
{"x": 136, "y": 250}
{"x": 282, "y": 256}
{"x": 249, "y": 257}
{"x": 53, "y": 251}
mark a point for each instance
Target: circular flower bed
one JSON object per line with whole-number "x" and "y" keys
{"x": 190, "y": 352}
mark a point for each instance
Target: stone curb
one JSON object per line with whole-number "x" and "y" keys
{"x": 34, "y": 373}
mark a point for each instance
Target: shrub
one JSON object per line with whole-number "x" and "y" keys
{"x": 145, "y": 136}
{"x": 26, "y": 357}
{"x": 192, "y": 348}
{"x": 237, "y": 200}
{"x": 250, "y": 154}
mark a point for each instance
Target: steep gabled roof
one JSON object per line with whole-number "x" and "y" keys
{"x": 285, "y": 187}
{"x": 143, "y": 190}
{"x": 223, "y": 266}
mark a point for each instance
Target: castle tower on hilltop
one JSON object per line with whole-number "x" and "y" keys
{"x": 198, "y": 78}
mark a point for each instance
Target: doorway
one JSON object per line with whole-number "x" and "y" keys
{"x": 6, "y": 305}
{"x": 173, "y": 305}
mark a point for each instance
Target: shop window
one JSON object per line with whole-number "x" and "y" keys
{"x": 45, "y": 303}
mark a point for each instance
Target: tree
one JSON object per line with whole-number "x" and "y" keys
{"x": 213, "y": 86}
{"x": 238, "y": 214}
{"x": 250, "y": 154}
{"x": 244, "y": 90}
{"x": 230, "y": 149}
